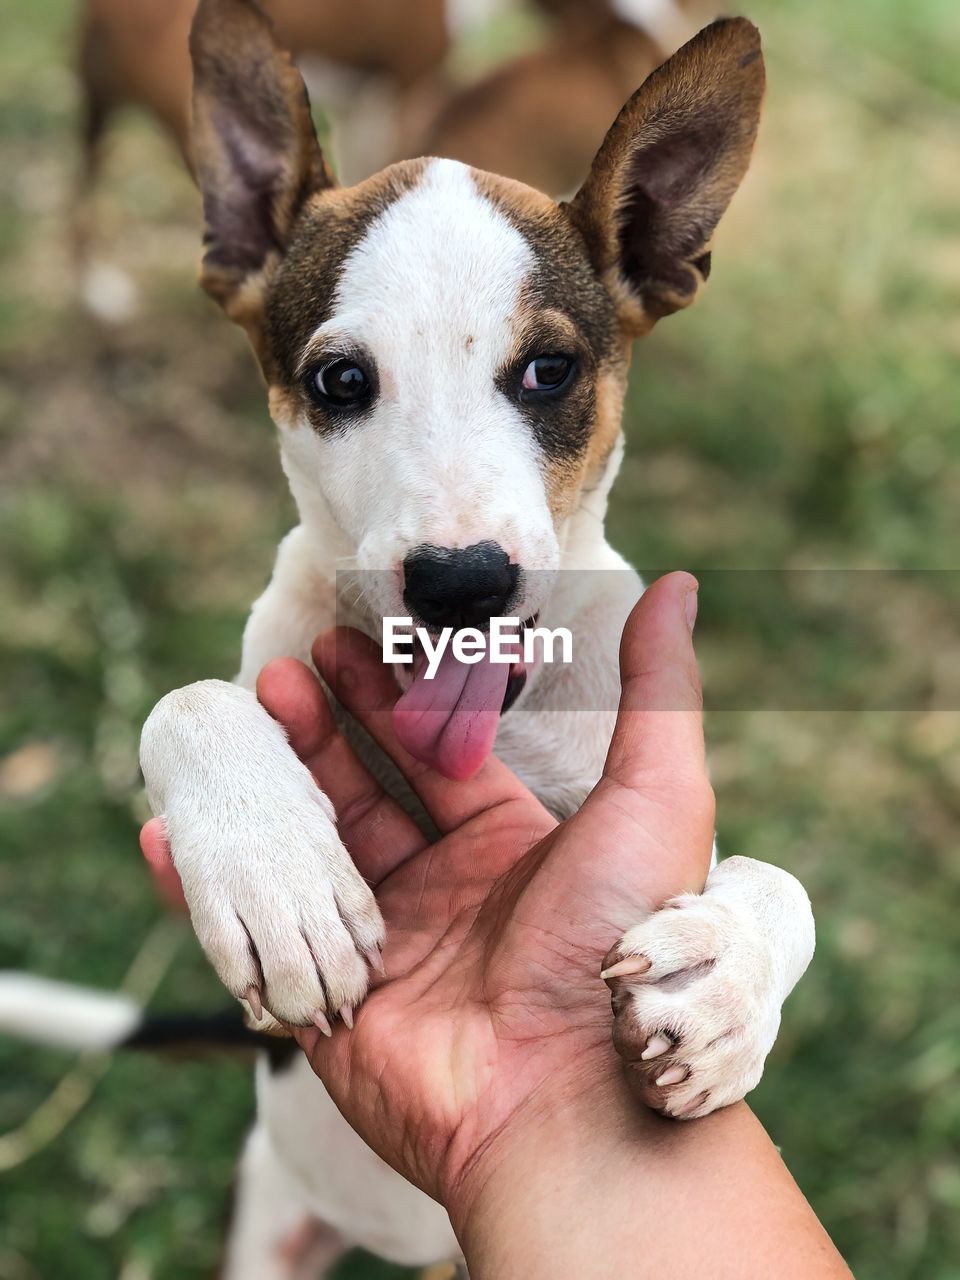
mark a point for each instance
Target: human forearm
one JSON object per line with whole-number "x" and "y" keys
{"x": 599, "y": 1188}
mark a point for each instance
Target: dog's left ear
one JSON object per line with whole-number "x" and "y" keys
{"x": 256, "y": 152}
{"x": 667, "y": 170}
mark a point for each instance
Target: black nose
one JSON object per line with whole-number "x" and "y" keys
{"x": 464, "y": 588}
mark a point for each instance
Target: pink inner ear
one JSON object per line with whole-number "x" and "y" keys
{"x": 670, "y": 170}
{"x": 666, "y": 215}
{"x": 254, "y": 146}
{"x": 238, "y": 205}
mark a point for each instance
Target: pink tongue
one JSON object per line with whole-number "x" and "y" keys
{"x": 450, "y": 722}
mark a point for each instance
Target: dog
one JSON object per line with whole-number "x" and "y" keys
{"x": 135, "y": 52}
{"x": 377, "y": 68}
{"x": 540, "y": 117}
{"x": 380, "y": 73}
{"x": 446, "y": 354}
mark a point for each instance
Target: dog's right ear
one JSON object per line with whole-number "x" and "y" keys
{"x": 667, "y": 170}
{"x": 255, "y": 149}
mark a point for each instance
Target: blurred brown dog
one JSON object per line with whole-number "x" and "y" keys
{"x": 540, "y": 117}
{"x": 135, "y": 51}
{"x": 377, "y": 67}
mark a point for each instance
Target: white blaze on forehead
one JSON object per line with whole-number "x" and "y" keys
{"x": 442, "y": 265}
{"x": 430, "y": 296}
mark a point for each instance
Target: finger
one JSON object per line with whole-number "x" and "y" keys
{"x": 156, "y": 851}
{"x": 654, "y": 792}
{"x": 353, "y": 666}
{"x": 153, "y": 843}
{"x": 373, "y": 826}
{"x": 659, "y": 728}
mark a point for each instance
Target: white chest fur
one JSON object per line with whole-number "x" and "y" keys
{"x": 342, "y": 1181}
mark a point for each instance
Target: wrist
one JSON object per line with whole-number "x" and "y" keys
{"x": 520, "y": 1187}
{"x": 588, "y": 1184}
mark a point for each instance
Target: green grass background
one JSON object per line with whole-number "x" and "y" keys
{"x": 804, "y": 414}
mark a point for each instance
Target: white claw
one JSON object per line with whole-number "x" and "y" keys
{"x": 346, "y": 1013}
{"x": 629, "y": 967}
{"x": 375, "y": 961}
{"x": 655, "y": 1046}
{"x": 672, "y": 1075}
{"x": 252, "y": 997}
{"x": 695, "y": 1105}
{"x": 321, "y": 1023}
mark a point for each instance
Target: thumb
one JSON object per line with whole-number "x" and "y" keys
{"x": 655, "y": 777}
{"x": 659, "y": 728}
{"x": 645, "y": 831}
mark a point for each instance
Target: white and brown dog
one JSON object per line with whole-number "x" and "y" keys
{"x": 446, "y": 353}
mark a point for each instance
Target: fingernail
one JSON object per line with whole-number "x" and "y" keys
{"x": 252, "y": 998}
{"x": 690, "y": 602}
{"x": 346, "y": 1013}
{"x": 672, "y": 1075}
{"x": 628, "y": 967}
{"x": 321, "y": 1023}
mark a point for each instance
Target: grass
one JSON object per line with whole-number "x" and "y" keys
{"x": 804, "y": 414}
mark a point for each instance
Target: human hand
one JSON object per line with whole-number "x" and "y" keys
{"x": 481, "y": 1066}
{"x": 492, "y": 1003}
{"x": 496, "y": 931}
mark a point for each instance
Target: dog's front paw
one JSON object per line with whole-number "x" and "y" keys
{"x": 696, "y": 1005}
{"x": 281, "y": 911}
{"x": 282, "y": 914}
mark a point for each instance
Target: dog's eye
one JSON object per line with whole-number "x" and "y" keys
{"x": 340, "y": 384}
{"x": 547, "y": 373}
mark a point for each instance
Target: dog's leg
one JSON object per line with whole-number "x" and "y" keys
{"x": 697, "y": 987}
{"x": 272, "y": 1234}
{"x": 106, "y": 291}
{"x": 275, "y": 900}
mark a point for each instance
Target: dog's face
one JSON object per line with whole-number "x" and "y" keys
{"x": 446, "y": 371}
{"x": 445, "y": 350}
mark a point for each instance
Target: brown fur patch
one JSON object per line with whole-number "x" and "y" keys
{"x": 541, "y": 117}
{"x": 564, "y": 280}
{"x": 610, "y": 391}
{"x": 400, "y": 40}
{"x": 277, "y": 228}
{"x": 567, "y": 477}
{"x": 303, "y": 286}
{"x": 567, "y": 310}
